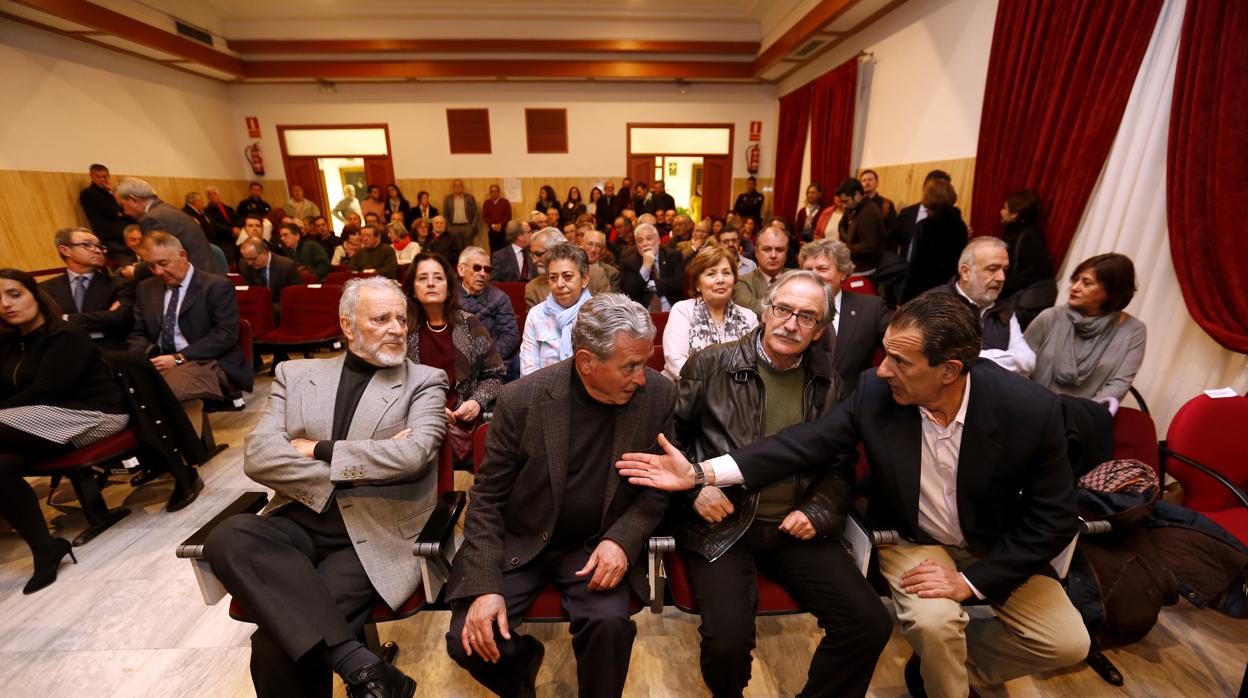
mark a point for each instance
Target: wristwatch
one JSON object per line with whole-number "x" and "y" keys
{"x": 699, "y": 475}
{"x": 178, "y": 359}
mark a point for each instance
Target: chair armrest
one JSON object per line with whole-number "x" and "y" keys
{"x": 249, "y": 503}
{"x": 657, "y": 575}
{"x": 193, "y": 548}
{"x": 1221, "y": 479}
{"x": 857, "y": 539}
{"x": 437, "y": 543}
{"x": 1061, "y": 563}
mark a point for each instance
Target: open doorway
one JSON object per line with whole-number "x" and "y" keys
{"x": 324, "y": 158}
{"x": 693, "y": 160}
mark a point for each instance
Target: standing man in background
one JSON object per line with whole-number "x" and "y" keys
{"x": 496, "y": 211}
{"x": 105, "y": 215}
{"x": 462, "y": 215}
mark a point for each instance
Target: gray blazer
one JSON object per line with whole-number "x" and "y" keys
{"x": 385, "y": 489}
{"x": 471, "y": 210}
{"x": 168, "y": 219}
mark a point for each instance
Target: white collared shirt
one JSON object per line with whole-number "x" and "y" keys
{"x": 836, "y": 319}
{"x": 518, "y": 251}
{"x": 179, "y": 341}
{"x": 938, "y": 474}
{"x": 1018, "y": 356}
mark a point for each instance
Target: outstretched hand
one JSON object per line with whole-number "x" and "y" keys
{"x": 669, "y": 471}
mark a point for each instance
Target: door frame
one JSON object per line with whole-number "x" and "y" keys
{"x": 281, "y": 144}
{"x": 629, "y": 154}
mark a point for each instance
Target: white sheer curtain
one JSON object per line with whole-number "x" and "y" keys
{"x": 1127, "y": 214}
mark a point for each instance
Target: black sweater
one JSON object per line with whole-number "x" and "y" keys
{"x": 57, "y": 365}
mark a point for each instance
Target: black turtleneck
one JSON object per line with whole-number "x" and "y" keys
{"x": 356, "y": 373}
{"x": 590, "y": 436}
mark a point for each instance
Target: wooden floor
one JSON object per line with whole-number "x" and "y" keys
{"x": 128, "y": 620}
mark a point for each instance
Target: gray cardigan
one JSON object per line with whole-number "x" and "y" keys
{"x": 1112, "y": 376}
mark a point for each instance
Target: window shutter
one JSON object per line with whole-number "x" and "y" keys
{"x": 547, "y": 130}
{"x": 469, "y": 130}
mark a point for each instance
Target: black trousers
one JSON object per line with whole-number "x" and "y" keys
{"x": 18, "y": 503}
{"x": 298, "y": 577}
{"x": 820, "y": 575}
{"x": 602, "y": 629}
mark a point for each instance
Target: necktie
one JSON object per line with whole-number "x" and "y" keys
{"x": 526, "y": 272}
{"x": 264, "y": 276}
{"x": 656, "y": 301}
{"x": 830, "y": 331}
{"x": 171, "y": 319}
{"x": 80, "y": 291}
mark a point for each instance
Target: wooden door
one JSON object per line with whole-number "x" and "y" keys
{"x": 641, "y": 169}
{"x": 305, "y": 172}
{"x": 716, "y": 184}
{"x": 379, "y": 171}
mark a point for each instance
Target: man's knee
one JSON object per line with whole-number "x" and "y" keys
{"x": 934, "y": 618}
{"x": 1060, "y": 646}
{"x": 871, "y": 625}
{"x": 230, "y": 537}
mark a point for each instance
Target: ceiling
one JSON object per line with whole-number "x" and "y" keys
{"x": 258, "y": 41}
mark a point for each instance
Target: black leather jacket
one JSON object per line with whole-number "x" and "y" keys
{"x": 719, "y": 409}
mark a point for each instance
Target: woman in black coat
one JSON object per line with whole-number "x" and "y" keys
{"x": 938, "y": 241}
{"x": 547, "y": 199}
{"x": 56, "y": 394}
{"x": 1030, "y": 282}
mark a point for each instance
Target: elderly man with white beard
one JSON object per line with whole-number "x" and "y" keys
{"x": 981, "y": 276}
{"x": 349, "y": 445}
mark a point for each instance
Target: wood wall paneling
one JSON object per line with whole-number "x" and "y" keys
{"x": 904, "y": 183}
{"x": 34, "y": 204}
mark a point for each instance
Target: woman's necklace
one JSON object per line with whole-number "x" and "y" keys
{"x": 440, "y": 328}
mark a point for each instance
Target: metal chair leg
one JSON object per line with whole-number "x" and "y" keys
{"x": 1104, "y": 668}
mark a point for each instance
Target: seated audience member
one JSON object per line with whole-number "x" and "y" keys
{"x": 808, "y": 215}
{"x": 194, "y": 206}
{"x": 463, "y": 217}
{"x": 373, "y": 255}
{"x": 304, "y": 209}
{"x": 260, "y": 267}
{"x": 709, "y": 316}
{"x": 350, "y": 246}
{"x": 571, "y": 208}
{"x": 140, "y": 201}
{"x": 594, "y": 242}
{"x": 423, "y": 210}
{"x": 547, "y": 337}
{"x": 443, "y": 241}
{"x": 651, "y": 274}
{"x": 700, "y": 235}
{"x": 1030, "y": 286}
{"x": 311, "y": 566}
{"x": 419, "y": 232}
{"x": 134, "y": 237}
{"x": 223, "y": 219}
{"x": 552, "y": 218}
{"x": 828, "y": 226}
{"x": 466, "y": 353}
{"x": 512, "y": 263}
{"x": 621, "y": 238}
{"x": 253, "y": 229}
{"x": 319, "y": 232}
{"x": 56, "y": 394}
{"x": 730, "y": 239}
{"x": 395, "y": 228}
{"x": 254, "y": 204}
{"x": 307, "y": 254}
{"x": 681, "y": 231}
{"x": 490, "y": 305}
{"x": 857, "y": 327}
{"x": 988, "y": 533}
{"x": 373, "y": 203}
{"x": 405, "y": 248}
{"x": 538, "y": 288}
{"x": 902, "y": 233}
{"x": 772, "y": 251}
{"x": 569, "y": 233}
{"x": 354, "y": 218}
{"x": 397, "y": 203}
{"x": 550, "y": 509}
{"x": 186, "y": 320}
{"x": 862, "y": 227}
{"x": 747, "y": 228}
{"x": 870, "y": 183}
{"x": 104, "y": 212}
{"x": 374, "y": 219}
{"x": 731, "y": 394}
{"x": 982, "y": 270}
{"x": 938, "y": 241}
{"x": 1090, "y": 347}
{"x": 90, "y": 297}
{"x": 546, "y": 199}
{"x": 347, "y": 205}
{"x": 496, "y": 214}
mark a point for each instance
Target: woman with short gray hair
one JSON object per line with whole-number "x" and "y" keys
{"x": 547, "y": 336}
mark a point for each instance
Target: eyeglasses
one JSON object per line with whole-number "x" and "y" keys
{"x": 804, "y": 319}
{"x": 89, "y": 246}
{"x": 478, "y": 268}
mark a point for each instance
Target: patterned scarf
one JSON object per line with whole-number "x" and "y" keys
{"x": 703, "y": 332}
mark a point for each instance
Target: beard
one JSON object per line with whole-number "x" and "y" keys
{"x": 378, "y": 354}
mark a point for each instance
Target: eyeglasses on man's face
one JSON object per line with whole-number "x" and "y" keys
{"x": 98, "y": 247}
{"x": 805, "y": 318}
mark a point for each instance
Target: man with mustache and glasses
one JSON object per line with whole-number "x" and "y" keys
{"x": 981, "y": 275}
{"x": 349, "y": 445}
{"x": 731, "y": 395}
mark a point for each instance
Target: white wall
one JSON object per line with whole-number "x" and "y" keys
{"x": 69, "y": 104}
{"x": 923, "y": 92}
{"x": 597, "y": 116}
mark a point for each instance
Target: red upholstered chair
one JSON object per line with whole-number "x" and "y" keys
{"x": 859, "y": 284}
{"x": 656, "y": 358}
{"x": 433, "y": 547}
{"x": 236, "y": 279}
{"x": 87, "y": 469}
{"x": 515, "y": 293}
{"x": 660, "y": 324}
{"x": 309, "y": 318}
{"x": 308, "y": 277}
{"x": 255, "y": 305}
{"x": 1135, "y": 436}
{"x": 1204, "y": 449}
{"x": 340, "y": 278}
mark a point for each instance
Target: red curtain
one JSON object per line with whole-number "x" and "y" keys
{"x": 1059, "y": 76}
{"x": 1207, "y": 169}
{"x": 790, "y": 147}
{"x": 832, "y": 125}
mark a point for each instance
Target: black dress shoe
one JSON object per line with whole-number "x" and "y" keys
{"x": 380, "y": 680}
{"x": 181, "y": 499}
{"x": 538, "y": 652}
{"x": 46, "y": 564}
{"x": 914, "y": 677}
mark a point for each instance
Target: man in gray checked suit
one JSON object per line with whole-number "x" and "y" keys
{"x": 349, "y": 445}
{"x": 548, "y": 508}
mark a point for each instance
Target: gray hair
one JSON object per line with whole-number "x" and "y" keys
{"x": 967, "y": 258}
{"x": 603, "y": 317}
{"x": 65, "y": 236}
{"x": 829, "y": 293}
{"x": 212, "y": 189}
{"x": 158, "y": 238}
{"x": 469, "y": 251}
{"x": 136, "y": 188}
{"x": 645, "y": 227}
{"x": 191, "y": 196}
{"x": 351, "y": 292}
{"x": 834, "y": 250}
{"x": 547, "y": 238}
{"x": 514, "y": 229}
{"x": 566, "y": 250}
{"x": 260, "y": 246}
{"x": 132, "y": 226}
{"x": 647, "y": 218}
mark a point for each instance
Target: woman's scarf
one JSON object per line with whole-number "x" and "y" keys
{"x": 1076, "y": 344}
{"x": 564, "y": 319}
{"x": 703, "y": 332}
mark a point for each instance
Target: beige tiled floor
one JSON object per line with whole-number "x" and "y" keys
{"x": 128, "y": 620}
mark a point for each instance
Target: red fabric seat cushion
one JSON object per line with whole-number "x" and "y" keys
{"x": 106, "y": 449}
{"x": 1233, "y": 520}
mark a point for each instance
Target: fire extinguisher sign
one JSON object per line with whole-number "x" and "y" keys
{"x": 253, "y": 127}
{"x": 756, "y": 130}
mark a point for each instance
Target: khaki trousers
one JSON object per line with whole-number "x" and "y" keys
{"x": 1037, "y": 629}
